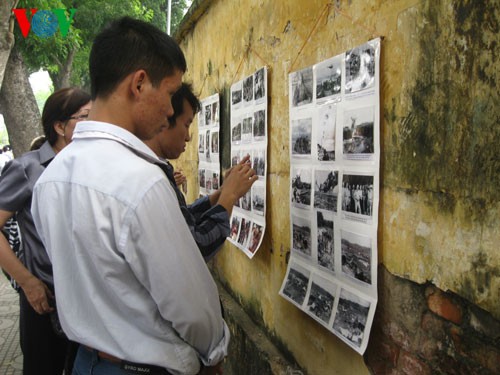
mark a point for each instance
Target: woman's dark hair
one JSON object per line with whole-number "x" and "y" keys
{"x": 60, "y": 106}
{"x": 128, "y": 45}
{"x": 185, "y": 92}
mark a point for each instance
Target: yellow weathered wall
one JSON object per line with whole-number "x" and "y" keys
{"x": 439, "y": 211}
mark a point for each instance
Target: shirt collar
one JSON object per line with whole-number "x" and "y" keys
{"x": 104, "y": 130}
{"x": 46, "y": 153}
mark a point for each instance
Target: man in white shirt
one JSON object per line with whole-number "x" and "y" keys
{"x": 132, "y": 286}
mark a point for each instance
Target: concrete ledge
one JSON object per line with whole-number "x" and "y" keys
{"x": 251, "y": 352}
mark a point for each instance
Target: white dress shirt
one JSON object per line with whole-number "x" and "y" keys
{"x": 129, "y": 278}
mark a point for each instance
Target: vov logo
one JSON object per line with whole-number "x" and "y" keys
{"x": 44, "y": 23}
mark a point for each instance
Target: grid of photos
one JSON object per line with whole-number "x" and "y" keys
{"x": 249, "y": 139}
{"x": 334, "y": 194}
{"x": 208, "y": 145}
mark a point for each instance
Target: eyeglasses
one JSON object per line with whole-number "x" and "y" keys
{"x": 79, "y": 117}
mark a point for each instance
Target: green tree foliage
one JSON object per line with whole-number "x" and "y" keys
{"x": 53, "y": 53}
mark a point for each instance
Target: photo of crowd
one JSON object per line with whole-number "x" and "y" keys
{"x": 356, "y": 256}
{"x": 246, "y": 133}
{"x": 301, "y": 236}
{"x": 357, "y": 194}
{"x": 321, "y": 298}
{"x": 296, "y": 284}
{"x": 259, "y": 125}
{"x": 351, "y": 317}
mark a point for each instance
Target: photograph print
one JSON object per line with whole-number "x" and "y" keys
{"x": 260, "y": 87}
{"x": 326, "y": 189}
{"x": 301, "y": 137}
{"x": 236, "y": 131}
{"x": 215, "y": 113}
{"x": 352, "y": 315}
{"x": 201, "y": 178}
{"x": 301, "y": 187}
{"x": 246, "y": 132}
{"x": 321, "y": 298}
{"x": 358, "y": 131}
{"x": 246, "y": 201}
{"x": 235, "y": 157}
{"x": 244, "y": 232}
{"x": 357, "y": 194}
{"x": 259, "y": 162}
{"x": 201, "y": 143}
{"x": 301, "y": 236}
{"x": 295, "y": 286}
{"x": 302, "y": 87}
{"x": 360, "y": 68}
{"x": 235, "y": 227}
{"x": 215, "y": 142}
{"x": 325, "y": 240}
{"x": 325, "y": 132}
{"x": 248, "y": 89}
{"x": 236, "y": 94}
{"x": 256, "y": 232}
{"x": 329, "y": 78}
{"x": 259, "y": 125}
{"x": 207, "y": 145}
{"x": 208, "y": 115}
{"x": 215, "y": 180}
{"x": 356, "y": 256}
{"x": 208, "y": 180}
{"x": 258, "y": 198}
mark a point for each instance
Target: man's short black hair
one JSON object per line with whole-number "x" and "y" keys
{"x": 185, "y": 92}
{"x": 127, "y": 45}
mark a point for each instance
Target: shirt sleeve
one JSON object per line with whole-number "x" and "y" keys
{"x": 15, "y": 188}
{"x": 164, "y": 257}
{"x": 209, "y": 226}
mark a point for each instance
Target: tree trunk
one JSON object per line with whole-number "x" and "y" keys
{"x": 18, "y": 105}
{"x": 6, "y": 35}
{"x": 62, "y": 78}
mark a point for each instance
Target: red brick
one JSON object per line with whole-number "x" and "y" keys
{"x": 411, "y": 365}
{"x": 442, "y": 305}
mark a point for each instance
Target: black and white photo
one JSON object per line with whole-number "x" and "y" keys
{"x": 357, "y": 194}
{"x": 215, "y": 180}
{"x": 329, "y": 78}
{"x": 236, "y": 132}
{"x": 260, "y": 87}
{"x": 321, "y": 298}
{"x": 326, "y": 189}
{"x": 358, "y": 131}
{"x": 296, "y": 283}
{"x": 215, "y": 142}
{"x": 246, "y": 133}
{"x": 302, "y": 87}
{"x": 325, "y": 133}
{"x": 259, "y": 125}
{"x": 301, "y": 137}
{"x": 246, "y": 200}
{"x": 356, "y": 256}
{"x": 201, "y": 143}
{"x": 208, "y": 115}
{"x": 325, "y": 240}
{"x": 248, "y": 89}
{"x": 207, "y": 145}
{"x": 236, "y": 94}
{"x": 301, "y": 187}
{"x": 235, "y": 157}
{"x": 351, "y": 317}
{"x": 215, "y": 113}
{"x": 301, "y": 236}
{"x": 201, "y": 178}
{"x": 259, "y": 162}
{"x": 360, "y": 68}
{"x": 258, "y": 198}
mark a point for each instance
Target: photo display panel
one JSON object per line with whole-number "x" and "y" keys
{"x": 334, "y": 192}
{"x": 208, "y": 145}
{"x": 249, "y": 137}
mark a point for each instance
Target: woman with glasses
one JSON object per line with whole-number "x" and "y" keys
{"x": 44, "y": 349}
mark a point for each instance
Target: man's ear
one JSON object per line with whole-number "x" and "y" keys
{"x": 139, "y": 78}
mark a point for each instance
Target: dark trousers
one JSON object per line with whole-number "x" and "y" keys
{"x": 43, "y": 351}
